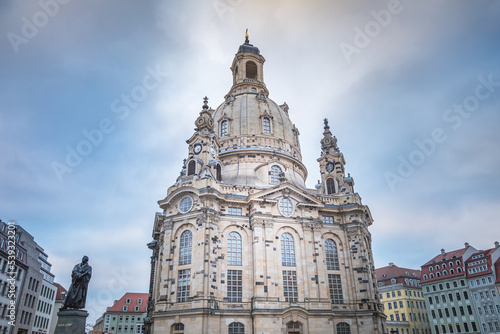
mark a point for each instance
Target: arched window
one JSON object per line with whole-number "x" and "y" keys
{"x": 223, "y": 128}
{"x": 438, "y": 274}
{"x": 431, "y": 275}
{"x": 437, "y": 267}
{"x": 266, "y": 125}
{"x": 431, "y": 269}
{"x": 425, "y": 277}
{"x": 251, "y": 68}
{"x": 452, "y": 271}
{"x": 191, "y": 167}
{"x": 186, "y": 248}
{"x": 287, "y": 250}
{"x": 294, "y": 327}
{"x": 331, "y": 255}
{"x": 234, "y": 249}
{"x": 459, "y": 270}
{"x": 218, "y": 171}
{"x": 178, "y": 328}
{"x": 275, "y": 174}
{"x": 445, "y": 273}
{"x": 236, "y": 328}
{"x": 330, "y": 186}
{"x": 343, "y": 328}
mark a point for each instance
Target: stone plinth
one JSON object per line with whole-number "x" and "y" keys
{"x": 71, "y": 322}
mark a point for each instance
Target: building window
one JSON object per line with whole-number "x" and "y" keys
{"x": 127, "y": 301}
{"x": 234, "y": 286}
{"x": 328, "y": 220}
{"x": 266, "y": 125}
{"x": 294, "y": 327}
{"x": 184, "y": 284}
{"x": 335, "y": 285}
{"x": 186, "y": 248}
{"x": 290, "y": 289}
{"x": 223, "y": 128}
{"x": 331, "y": 255}
{"x": 234, "y": 211}
{"x": 234, "y": 253}
{"x": 343, "y": 328}
{"x": 275, "y": 173}
{"x": 251, "y": 69}
{"x": 185, "y": 204}
{"x": 139, "y": 301}
{"x": 330, "y": 186}
{"x": 218, "y": 172}
{"x": 285, "y": 206}
{"x": 125, "y": 308}
{"x": 191, "y": 167}
{"x": 287, "y": 250}
{"x": 236, "y": 328}
{"x": 136, "y": 309}
{"x": 178, "y": 328}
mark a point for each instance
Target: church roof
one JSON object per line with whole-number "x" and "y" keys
{"x": 247, "y": 47}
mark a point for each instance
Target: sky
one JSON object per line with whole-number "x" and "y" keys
{"x": 97, "y": 99}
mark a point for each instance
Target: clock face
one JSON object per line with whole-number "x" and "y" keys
{"x": 329, "y": 167}
{"x": 197, "y": 148}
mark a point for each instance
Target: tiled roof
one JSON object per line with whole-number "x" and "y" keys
{"x": 134, "y": 297}
{"x": 60, "y": 291}
{"x": 448, "y": 255}
{"x": 393, "y": 271}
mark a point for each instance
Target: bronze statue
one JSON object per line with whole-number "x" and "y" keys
{"x": 80, "y": 278}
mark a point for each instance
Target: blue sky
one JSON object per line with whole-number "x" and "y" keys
{"x": 411, "y": 90}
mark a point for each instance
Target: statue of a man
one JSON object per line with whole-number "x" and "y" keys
{"x": 80, "y": 278}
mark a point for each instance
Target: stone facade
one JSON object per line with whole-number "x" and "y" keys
{"x": 242, "y": 246}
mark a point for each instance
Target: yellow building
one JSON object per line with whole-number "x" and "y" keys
{"x": 403, "y": 300}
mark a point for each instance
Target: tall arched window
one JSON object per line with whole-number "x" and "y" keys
{"x": 332, "y": 257}
{"x": 192, "y": 167}
{"x": 275, "y": 174}
{"x": 251, "y": 69}
{"x": 330, "y": 186}
{"x": 218, "y": 171}
{"x": 266, "y": 125}
{"x": 178, "y": 328}
{"x": 287, "y": 250}
{"x": 234, "y": 249}
{"x": 223, "y": 128}
{"x": 236, "y": 328}
{"x": 186, "y": 247}
{"x": 343, "y": 328}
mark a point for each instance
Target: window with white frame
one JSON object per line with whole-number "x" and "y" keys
{"x": 234, "y": 286}
{"x": 223, "y": 128}
{"x": 185, "y": 249}
{"x": 285, "y": 206}
{"x": 274, "y": 174}
{"x": 184, "y": 285}
{"x": 185, "y": 204}
{"x": 331, "y": 255}
{"x": 328, "y": 220}
{"x": 234, "y": 252}
{"x": 287, "y": 250}
{"x": 290, "y": 289}
{"x": 234, "y": 211}
{"x": 266, "y": 125}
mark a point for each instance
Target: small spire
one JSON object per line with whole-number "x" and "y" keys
{"x": 247, "y": 41}
{"x": 205, "y": 102}
{"x": 326, "y": 124}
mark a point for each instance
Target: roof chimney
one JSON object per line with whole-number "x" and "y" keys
{"x": 442, "y": 251}
{"x": 467, "y": 244}
{"x": 391, "y": 264}
{"x": 496, "y": 244}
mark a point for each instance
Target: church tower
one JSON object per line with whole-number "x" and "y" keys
{"x": 242, "y": 245}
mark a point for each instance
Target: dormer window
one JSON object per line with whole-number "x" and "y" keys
{"x": 266, "y": 125}
{"x": 191, "y": 167}
{"x": 275, "y": 174}
{"x": 125, "y": 308}
{"x": 223, "y": 128}
{"x": 330, "y": 186}
{"x": 127, "y": 301}
{"x": 251, "y": 69}
{"x": 139, "y": 301}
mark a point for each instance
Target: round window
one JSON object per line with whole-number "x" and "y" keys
{"x": 285, "y": 207}
{"x": 186, "y": 204}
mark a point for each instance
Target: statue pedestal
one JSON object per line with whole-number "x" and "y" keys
{"x": 71, "y": 321}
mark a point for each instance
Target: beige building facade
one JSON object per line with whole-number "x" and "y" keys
{"x": 242, "y": 245}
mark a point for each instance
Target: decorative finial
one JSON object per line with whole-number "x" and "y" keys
{"x": 246, "y": 37}
{"x": 205, "y": 102}
{"x": 326, "y": 124}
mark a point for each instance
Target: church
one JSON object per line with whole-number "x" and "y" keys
{"x": 242, "y": 245}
